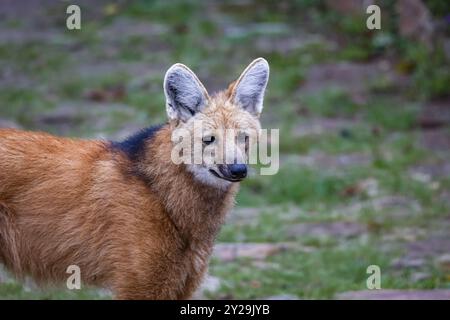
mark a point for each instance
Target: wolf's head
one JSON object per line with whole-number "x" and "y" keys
{"x": 216, "y": 131}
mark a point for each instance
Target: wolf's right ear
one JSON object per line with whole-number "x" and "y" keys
{"x": 185, "y": 94}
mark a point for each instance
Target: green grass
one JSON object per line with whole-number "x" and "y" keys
{"x": 331, "y": 103}
{"x": 319, "y": 274}
{"x": 15, "y": 290}
{"x": 33, "y": 58}
{"x": 298, "y": 185}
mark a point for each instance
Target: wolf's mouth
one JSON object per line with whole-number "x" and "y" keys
{"x": 222, "y": 177}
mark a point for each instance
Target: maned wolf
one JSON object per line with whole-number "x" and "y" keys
{"x": 123, "y": 212}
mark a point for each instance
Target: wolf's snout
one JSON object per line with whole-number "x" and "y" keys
{"x": 232, "y": 172}
{"x": 237, "y": 171}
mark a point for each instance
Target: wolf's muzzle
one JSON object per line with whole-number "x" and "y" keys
{"x": 231, "y": 172}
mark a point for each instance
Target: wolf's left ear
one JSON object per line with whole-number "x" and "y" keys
{"x": 185, "y": 94}
{"x": 248, "y": 92}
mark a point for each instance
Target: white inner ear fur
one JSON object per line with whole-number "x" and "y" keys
{"x": 185, "y": 94}
{"x": 251, "y": 85}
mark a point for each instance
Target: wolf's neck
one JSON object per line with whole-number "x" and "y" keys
{"x": 197, "y": 210}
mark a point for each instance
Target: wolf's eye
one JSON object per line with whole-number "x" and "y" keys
{"x": 243, "y": 137}
{"x": 208, "y": 139}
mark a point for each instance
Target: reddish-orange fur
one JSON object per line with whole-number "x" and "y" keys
{"x": 73, "y": 202}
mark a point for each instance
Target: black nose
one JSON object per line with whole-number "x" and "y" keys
{"x": 238, "y": 171}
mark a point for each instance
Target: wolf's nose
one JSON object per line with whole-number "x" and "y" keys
{"x": 238, "y": 171}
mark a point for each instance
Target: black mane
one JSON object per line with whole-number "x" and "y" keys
{"x": 134, "y": 144}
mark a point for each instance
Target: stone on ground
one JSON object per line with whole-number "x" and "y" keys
{"x": 384, "y": 294}
{"x": 232, "y": 251}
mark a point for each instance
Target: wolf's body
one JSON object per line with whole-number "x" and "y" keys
{"x": 72, "y": 202}
{"x": 124, "y": 213}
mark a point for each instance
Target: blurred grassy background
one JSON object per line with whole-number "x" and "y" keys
{"x": 364, "y": 119}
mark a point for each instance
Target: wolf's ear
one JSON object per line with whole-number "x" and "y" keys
{"x": 248, "y": 92}
{"x": 185, "y": 94}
